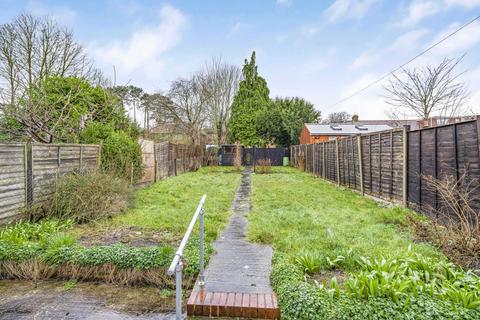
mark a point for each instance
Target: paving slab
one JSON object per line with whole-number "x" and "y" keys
{"x": 237, "y": 279}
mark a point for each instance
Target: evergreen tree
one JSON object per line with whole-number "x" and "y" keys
{"x": 250, "y": 102}
{"x": 282, "y": 123}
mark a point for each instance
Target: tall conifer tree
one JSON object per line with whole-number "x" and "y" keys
{"x": 249, "y": 103}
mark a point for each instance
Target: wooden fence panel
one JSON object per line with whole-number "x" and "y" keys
{"x": 12, "y": 179}
{"x": 28, "y": 172}
{"x": 377, "y": 170}
{"x": 446, "y": 151}
{"x": 172, "y": 159}
{"x": 51, "y": 161}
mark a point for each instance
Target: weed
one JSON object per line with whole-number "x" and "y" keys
{"x": 263, "y": 166}
{"x": 71, "y": 284}
{"x": 88, "y": 196}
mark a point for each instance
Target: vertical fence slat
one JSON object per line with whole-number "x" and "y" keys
{"x": 405, "y": 167}
{"x": 360, "y": 162}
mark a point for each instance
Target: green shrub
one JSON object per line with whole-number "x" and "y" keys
{"x": 120, "y": 150}
{"x": 88, "y": 196}
{"x": 25, "y": 231}
{"x": 301, "y": 300}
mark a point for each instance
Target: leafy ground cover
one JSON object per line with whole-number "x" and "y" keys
{"x": 62, "y": 249}
{"x": 339, "y": 255}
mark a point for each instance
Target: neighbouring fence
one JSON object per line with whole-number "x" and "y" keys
{"x": 28, "y": 172}
{"x": 394, "y": 164}
{"x": 449, "y": 150}
{"x": 370, "y": 163}
{"x": 251, "y": 156}
{"x": 166, "y": 159}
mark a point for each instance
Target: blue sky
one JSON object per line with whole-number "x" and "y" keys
{"x": 319, "y": 50}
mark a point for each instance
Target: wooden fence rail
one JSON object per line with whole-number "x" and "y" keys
{"x": 28, "y": 172}
{"x": 394, "y": 164}
{"x": 166, "y": 159}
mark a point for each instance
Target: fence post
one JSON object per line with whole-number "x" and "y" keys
{"x": 323, "y": 160}
{"x": 338, "y": 161}
{"x": 391, "y": 166}
{"x": 155, "y": 163}
{"x": 99, "y": 156}
{"x": 478, "y": 134}
{"x": 80, "y": 162}
{"x": 380, "y": 187}
{"x": 360, "y": 161}
{"x": 405, "y": 167}
{"x": 313, "y": 160}
{"x": 58, "y": 163}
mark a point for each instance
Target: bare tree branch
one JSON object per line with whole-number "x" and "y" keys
{"x": 426, "y": 92}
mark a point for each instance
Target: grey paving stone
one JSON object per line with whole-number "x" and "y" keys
{"x": 238, "y": 265}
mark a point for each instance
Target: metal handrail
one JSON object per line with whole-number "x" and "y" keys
{"x": 177, "y": 264}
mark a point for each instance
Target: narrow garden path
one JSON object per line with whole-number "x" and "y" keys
{"x": 237, "y": 277}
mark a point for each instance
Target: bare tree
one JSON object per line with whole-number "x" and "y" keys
{"x": 187, "y": 105}
{"x": 338, "y": 117}
{"x": 428, "y": 91}
{"x": 222, "y": 82}
{"x": 33, "y": 48}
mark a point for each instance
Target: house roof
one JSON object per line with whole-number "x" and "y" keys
{"x": 344, "y": 129}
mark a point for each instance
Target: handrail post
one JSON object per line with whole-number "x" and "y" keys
{"x": 177, "y": 263}
{"x": 178, "y": 291}
{"x": 201, "y": 277}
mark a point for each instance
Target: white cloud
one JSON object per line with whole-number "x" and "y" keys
{"x": 64, "y": 15}
{"x": 237, "y": 28}
{"x": 469, "y": 4}
{"x": 419, "y": 10}
{"x": 348, "y": 9}
{"x": 284, "y": 3}
{"x": 363, "y": 60}
{"x": 472, "y": 80}
{"x": 460, "y": 42}
{"x": 144, "y": 49}
{"x": 408, "y": 40}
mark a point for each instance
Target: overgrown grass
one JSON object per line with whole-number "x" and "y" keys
{"x": 50, "y": 249}
{"x": 297, "y": 213}
{"x": 315, "y": 226}
{"x": 168, "y": 206}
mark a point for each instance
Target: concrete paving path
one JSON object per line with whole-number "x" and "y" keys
{"x": 238, "y": 265}
{"x": 237, "y": 279}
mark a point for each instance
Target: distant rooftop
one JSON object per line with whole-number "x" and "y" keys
{"x": 344, "y": 129}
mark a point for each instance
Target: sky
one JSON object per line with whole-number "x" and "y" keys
{"x": 319, "y": 50}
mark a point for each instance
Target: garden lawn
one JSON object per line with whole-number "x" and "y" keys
{"x": 166, "y": 207}
{"x": 133, "y": 248}
{"x": 339, "y": 255}
{"x": 296, "y": 212}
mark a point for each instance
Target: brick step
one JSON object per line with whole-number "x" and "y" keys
{"x": 233, "y": 304}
